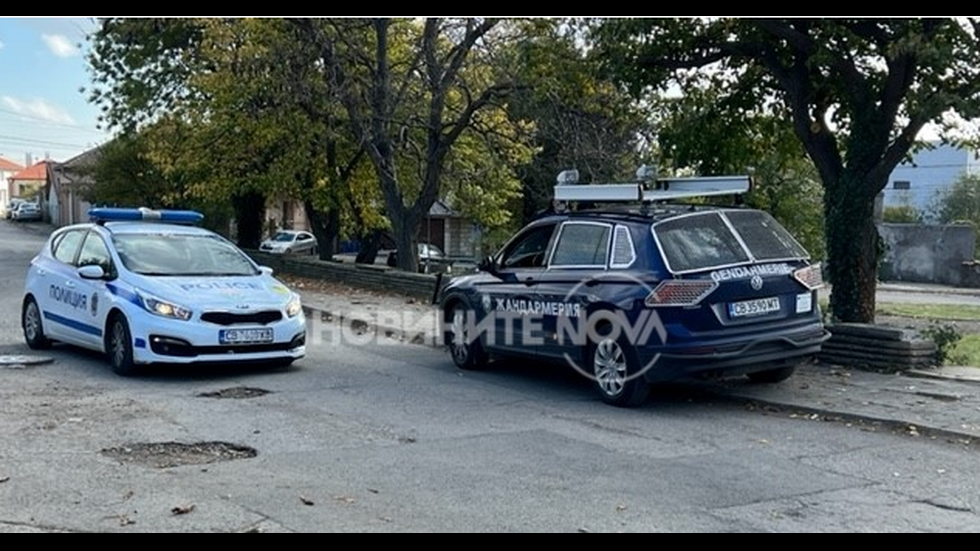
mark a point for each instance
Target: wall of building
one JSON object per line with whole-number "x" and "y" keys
{"x": 928, "y": 254}
{"x": 930, "y": 172}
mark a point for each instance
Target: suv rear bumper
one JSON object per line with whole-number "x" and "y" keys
{"x": 731, "y": 358}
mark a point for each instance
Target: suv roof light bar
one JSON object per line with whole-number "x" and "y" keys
{"x": 649, "y": 188}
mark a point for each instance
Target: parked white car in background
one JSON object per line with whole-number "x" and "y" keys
{"x": 291, "y": 242}
{"x": 27, "y": 212}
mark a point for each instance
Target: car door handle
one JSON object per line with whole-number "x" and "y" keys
{"x": 41, "y": 272}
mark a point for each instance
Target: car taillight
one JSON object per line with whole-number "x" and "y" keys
{"x": 677, "y": 292}
{"x": 811, "y": 277}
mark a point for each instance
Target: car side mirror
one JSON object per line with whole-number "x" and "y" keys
{"x": 488, "y": 265}
{"x": 92, "y": 273}
{"x": 266, "y": 271}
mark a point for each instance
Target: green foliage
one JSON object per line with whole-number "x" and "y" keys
{"x": 902, "y": 214}
{"x": 960, "y": 203}
{"x": 946, "y": 336}
{"x": 856, "y": 93}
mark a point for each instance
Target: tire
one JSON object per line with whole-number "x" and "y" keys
{"x": 119, "y": 347}
{"x": 33, "y": 324}
{"x": 467, "y": 354}
{"x": 616, "y": 371}
{"x": 281, "y": 364}
{"x": 772, "y": 376}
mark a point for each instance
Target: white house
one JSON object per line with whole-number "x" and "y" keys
{"x": 931, "y": 171}
{"x": 7, "y": 169}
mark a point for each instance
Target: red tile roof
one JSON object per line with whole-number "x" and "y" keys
{"x": 9, "y": 166}
{"x": 36, "y": 172}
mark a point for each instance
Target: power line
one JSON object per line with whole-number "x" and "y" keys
{"x": 47, "y": 121}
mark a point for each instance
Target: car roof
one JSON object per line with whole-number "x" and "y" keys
{"x": 647, "y": 214}
{"x": 147, "y": 228}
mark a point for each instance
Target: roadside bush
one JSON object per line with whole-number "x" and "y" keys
{"x": 946, "y": 336}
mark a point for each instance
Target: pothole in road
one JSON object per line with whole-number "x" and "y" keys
{"x": 164, "y": 455}
{"x": 19, "y": 361}
{"x": 236, "y": 393}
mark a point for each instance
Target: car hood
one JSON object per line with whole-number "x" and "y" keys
{"x": 218, "y": 293}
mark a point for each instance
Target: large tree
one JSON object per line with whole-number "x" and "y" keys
{"x": 858, "y": 93}
{"x": 412, "y": 90}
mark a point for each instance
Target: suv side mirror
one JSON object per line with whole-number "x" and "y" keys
{"x": 488, "y": 265}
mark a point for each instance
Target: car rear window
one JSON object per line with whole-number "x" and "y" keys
{"x": 712, "y": 240}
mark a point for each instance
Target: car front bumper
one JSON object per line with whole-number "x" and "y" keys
{"x": 160, "y": 340}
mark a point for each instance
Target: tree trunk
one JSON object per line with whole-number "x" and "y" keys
{"x": 249, "y": 218}
{"x": 405, "y": 229}
{"x": 370, "y": 245}
{"x": 326, "y": 228}
{"x": 852, "y": 250}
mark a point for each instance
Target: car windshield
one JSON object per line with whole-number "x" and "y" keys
{"x": 181, "y": 255}
{"x": 283, "y": 237}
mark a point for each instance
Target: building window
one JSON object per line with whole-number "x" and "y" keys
{"x": 902, "y": 185}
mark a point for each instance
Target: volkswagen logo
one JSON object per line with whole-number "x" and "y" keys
{"x": 757, "y": 283}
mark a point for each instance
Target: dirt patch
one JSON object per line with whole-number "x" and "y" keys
{"x": 236, "y": 393}
{"x": 164, "y": 455}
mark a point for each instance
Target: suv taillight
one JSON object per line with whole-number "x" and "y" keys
{"x": 810, "y": 277}
{"x": 677, "y": 292}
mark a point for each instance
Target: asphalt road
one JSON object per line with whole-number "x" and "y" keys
{"x": 391, "y": 438}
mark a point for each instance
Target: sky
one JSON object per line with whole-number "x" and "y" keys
{"x": 43, "y": 112}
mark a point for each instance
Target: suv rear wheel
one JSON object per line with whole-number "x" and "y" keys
{"x": 616, "y": 372}
{"x": 773, "y": 376}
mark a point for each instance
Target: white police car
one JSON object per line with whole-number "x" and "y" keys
{"x": 148, "y": 287}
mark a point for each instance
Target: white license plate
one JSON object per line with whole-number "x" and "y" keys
{"x": 245, "y": 336}
{"x": 758, "y": 307}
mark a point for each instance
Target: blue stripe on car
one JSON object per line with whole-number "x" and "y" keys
{"x": 78, "y": 326}
{"x": 124, "y": 293}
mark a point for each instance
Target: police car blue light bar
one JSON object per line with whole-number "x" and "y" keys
{"x": 189, "y": 217}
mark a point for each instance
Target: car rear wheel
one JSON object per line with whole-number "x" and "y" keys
{"x": 119, "y": 347}
{"x": 772, "y": 376}
{"x": 34, "y": 326}
{"x": 616, "y": 373}
{"x": 467, "y": 351}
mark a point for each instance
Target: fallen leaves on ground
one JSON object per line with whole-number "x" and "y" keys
{"x": 4, "y": 479}
{"x": 182, "y": 510}
{"x": 307, "y": 501}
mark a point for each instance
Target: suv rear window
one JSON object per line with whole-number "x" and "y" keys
{"x": 713, "y": 240}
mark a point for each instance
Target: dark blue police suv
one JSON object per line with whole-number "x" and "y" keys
{"x": 639, "y": 288}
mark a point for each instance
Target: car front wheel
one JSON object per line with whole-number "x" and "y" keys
{"x": 34, "y": 326}
{"x": 119, "y": 347}
{"x": 467, "y": 350}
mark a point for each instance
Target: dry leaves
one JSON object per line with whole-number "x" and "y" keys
{"x": 182, "y": 510}
{"x": 307, "y": 501}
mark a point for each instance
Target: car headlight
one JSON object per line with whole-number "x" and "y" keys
{"x": 166, "y": 309}
{"x": 295, "y": 307}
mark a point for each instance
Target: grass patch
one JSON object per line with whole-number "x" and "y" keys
{"x": 950, "y": 312}
{"x": 966, "y": 352}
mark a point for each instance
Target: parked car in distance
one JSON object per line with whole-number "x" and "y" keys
{"x": 11, "y": 207}
{"x": 291, "y": 242}
{"x": 432, "y": 259}
{"x": 27, "y": 212}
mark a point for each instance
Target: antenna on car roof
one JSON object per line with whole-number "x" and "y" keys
{"x": 648, "y": 188}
